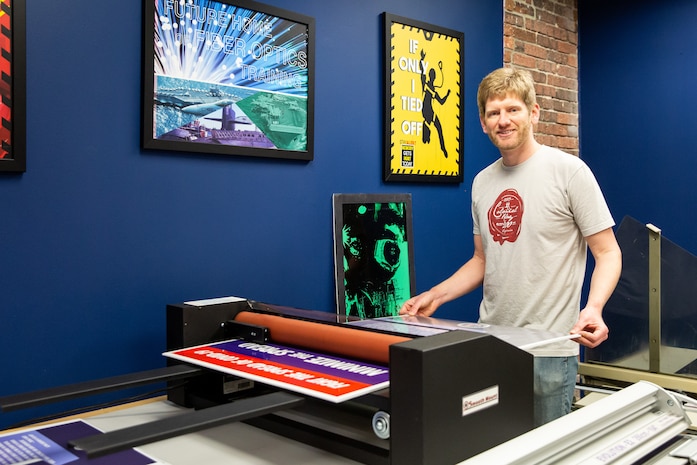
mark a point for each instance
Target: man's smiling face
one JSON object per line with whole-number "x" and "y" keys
{"x": 509, "y": 123}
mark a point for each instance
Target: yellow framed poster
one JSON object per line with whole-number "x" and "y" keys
{"x": 424, "y": 117}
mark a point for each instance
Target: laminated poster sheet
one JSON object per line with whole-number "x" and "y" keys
{"x": 523, "y": 338}
{"x": 48, "y": 445}
{"x": 317, "y": 375}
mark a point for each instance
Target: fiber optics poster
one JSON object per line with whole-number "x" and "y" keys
{"x": 229, "y": 76}
{"x": 425, "y": 101}
{"x": 322, "y": 376}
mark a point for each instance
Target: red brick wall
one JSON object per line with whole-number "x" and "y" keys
{"x": 542, "y": 36}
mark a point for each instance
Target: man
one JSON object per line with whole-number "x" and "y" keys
{"x": 534, "y": 211}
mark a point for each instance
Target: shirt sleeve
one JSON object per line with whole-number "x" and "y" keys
{"x": 587, "y": 203}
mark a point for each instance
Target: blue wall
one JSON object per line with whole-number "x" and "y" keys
{"x": 98, "y": 235}
{"x": 638, "y": 69}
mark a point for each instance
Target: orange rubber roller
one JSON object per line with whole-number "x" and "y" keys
{"x": 349, "y": 342}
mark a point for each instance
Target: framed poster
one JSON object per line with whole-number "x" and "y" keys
{"x": 13, "y": 85}
{"x": 228, "y": 77}
{"x": 373, "y": 261}
{"x": 424, "y": 116}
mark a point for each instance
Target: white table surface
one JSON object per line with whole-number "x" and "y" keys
{"x": 231, "y": 444}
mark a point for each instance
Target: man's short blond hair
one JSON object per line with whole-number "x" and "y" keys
{"x": 503, "y": 81}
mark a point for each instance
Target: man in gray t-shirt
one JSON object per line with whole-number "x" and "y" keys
{"x": 535, "y": 211}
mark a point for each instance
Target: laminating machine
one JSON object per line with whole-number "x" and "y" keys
{"x": 386, "y": 391}
{"x": 451, "y": 394}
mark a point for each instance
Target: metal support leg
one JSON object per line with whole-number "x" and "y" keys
{"x": 654, "y": 298}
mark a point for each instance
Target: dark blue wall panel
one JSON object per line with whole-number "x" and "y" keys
{"x": 98, "y": 235}
{"x": 638, "y": 68}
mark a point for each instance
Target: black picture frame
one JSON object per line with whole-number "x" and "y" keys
{"x": 373, "y": 254}
{"x": 424, "y": 104}
{"x": 13, "y": 156}
{"x": 228, "y": 77}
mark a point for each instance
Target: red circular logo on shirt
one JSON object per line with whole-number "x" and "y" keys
{"x": 505, "y": 216}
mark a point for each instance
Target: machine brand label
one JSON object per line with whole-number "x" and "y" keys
{"x": 480, "y": 400}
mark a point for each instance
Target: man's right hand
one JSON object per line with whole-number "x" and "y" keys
{"x": 423, "y": 304}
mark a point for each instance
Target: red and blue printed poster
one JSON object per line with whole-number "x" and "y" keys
{"x": 318, "y": 375}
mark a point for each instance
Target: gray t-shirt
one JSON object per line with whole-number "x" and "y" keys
{"x": 532, "y": 219}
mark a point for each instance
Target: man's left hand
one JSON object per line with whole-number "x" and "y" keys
{"x": 591, "y": 328}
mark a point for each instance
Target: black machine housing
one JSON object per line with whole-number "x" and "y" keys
{"x": 451, "y": 395}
